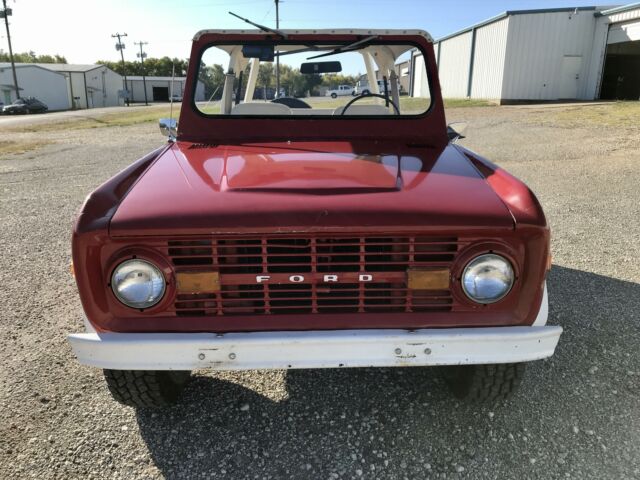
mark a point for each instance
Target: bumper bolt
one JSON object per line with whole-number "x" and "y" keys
{"x": 427, "y": 351}
{"x": 201, "y": 356}
{"x": 398, "y": 351}
{"x": 232, "y": 356}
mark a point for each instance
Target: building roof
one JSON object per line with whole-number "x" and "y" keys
{"x": 27, "y": 65}
{"x": 509, "y": 13}
{"x": 163, "y": 79}
{"x": 623, "y": 8}
{"x": 68, "y": 67}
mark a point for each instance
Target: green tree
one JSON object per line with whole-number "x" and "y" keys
{"x": 213, "y": 79}
{"x": 153, "y": 67}
{"x": 31, "y": 57}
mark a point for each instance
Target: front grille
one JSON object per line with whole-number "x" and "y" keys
{"x": 240, "y": 260}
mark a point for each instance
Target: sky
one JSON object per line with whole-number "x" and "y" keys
{"x": 81, "y": 30}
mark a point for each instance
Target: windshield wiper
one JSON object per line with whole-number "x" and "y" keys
{"x": 346, "y": 48}
{"x": 261, "y": 27}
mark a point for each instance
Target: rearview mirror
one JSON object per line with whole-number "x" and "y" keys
{"x": 311, "y": 68}
{"x": 169, "y": 127}
{"x": 264, "y": 53}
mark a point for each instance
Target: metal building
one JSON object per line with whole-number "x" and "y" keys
{"x": 34, "y": 81}
{"x": 582, "y": 53}
{"x": 159, "y": 88}
{"x": 89, "y": 86}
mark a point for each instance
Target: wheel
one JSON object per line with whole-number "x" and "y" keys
{"x": 334, "y": 95}
{"x": 146, "y": 388}
{"x": 365, "y": 92}
{"x": 485, "y": 383}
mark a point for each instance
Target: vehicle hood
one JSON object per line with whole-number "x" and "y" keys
{"x": 308, "y": 186}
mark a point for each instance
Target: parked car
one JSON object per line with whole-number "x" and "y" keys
{"x": 274, "y": 235}
{"x": 342, "y": 90}
{"x": 176, "y": 97}
{"x": 362, "y": 87}
{"x": 25, "y": 105}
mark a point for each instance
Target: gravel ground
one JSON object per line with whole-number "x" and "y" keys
{"x": 576, "y": 416}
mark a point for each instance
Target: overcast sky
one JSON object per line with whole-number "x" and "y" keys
{"x": 81, "y": 29}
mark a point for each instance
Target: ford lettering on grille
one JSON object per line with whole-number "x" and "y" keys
{"x": 316, "y": 278}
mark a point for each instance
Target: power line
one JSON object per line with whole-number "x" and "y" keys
{"x": 142, "y": 56}
{"x": 120, "y": 47}
{"x": 6, "y": 13}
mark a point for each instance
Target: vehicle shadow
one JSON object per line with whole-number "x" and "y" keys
{"x": 396, "y": 423}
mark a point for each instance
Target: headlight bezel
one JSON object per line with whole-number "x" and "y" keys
{"x": 472, "y": 263}
{"x": 120, "y": 308}
{"x": 155, "y": 271}
{"x": 509, "y": 252}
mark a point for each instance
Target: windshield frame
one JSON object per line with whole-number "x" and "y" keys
{"x": 428, "y": 129}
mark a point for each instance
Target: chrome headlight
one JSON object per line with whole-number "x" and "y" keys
{"x": 487, "y": 278}
{"x": 138, "y": 283}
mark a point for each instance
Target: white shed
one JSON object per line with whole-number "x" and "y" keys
{"x": 89, "y": 86}
{"x": 159, "y": 88}
{"x": 543, "y": 55}
{"x": 34, "y": 81}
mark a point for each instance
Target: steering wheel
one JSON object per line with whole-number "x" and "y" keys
{"x": 368, "y": 95}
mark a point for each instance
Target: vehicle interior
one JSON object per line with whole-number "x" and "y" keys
{"x": 315, "y": 79}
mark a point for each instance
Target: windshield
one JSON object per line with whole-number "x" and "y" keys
{"x": 365, "y": 78}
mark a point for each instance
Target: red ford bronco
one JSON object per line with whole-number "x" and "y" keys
{"x": 311, "y": 232}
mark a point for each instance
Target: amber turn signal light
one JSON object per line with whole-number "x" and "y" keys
{"x": 429, "y": 279}
{"x": 197, "y": 282}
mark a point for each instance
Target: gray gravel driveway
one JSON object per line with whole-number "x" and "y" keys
{"x": 576, "y": 416}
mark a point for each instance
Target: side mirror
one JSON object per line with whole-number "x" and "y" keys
{"x": 455, "y": 131}
{"x": 169, "y": 128}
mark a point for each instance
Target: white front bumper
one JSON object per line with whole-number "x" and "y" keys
{"x": 314, "y": 349}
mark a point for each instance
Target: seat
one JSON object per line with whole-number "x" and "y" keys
{"x": 260, "y": 108}
{"x": 363, "y": 110}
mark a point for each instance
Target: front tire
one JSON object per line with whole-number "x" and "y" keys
{"x": 334, "y": 95}
{"x": 485, "y": 383}
{"x": 146, "y": 388}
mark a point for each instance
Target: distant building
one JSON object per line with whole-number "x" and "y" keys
{"x": 159, "y": 88}
{"x": 34, "y": 81}
{"x": 540, "y": 55}
{"x": 89, "y": 86}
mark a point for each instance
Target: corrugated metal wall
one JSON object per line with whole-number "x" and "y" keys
{"x": 420, "y": 80}
{"x": 489, "y": 60}
{"x": 453, "y": 68}
{"x": 536, "y": 47}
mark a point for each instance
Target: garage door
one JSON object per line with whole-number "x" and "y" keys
{"x": 624, "y": 32}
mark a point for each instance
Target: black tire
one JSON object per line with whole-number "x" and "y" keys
{"x": 334, "y": 95}
{"x": 146, "y": 388}
{"x": 485, "y": 383}
{"x": 365, "y": 92}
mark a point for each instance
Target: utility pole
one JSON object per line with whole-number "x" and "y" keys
{"x": 142, "y": 56}
{"x": 6, "y": 13}
{"x": 120, "y": 47}
{"x": 278, "y": 56}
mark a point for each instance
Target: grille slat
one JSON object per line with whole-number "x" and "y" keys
{"x": 240, "y": 260}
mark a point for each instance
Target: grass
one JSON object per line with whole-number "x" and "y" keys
{"x": 466, "y": 102}
{"x": 140, "y": 115}
{"x": 618, "y": 114}
{"x": 411, "y": 105}
{"x": 120, "y": 119}
{"x": 9, "y": 147}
